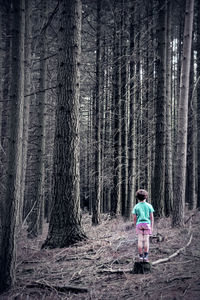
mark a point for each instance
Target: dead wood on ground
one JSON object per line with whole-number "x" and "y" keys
{"x": 66, "y": 288}
{"x": 162, "y": 260}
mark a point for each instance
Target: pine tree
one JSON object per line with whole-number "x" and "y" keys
{"x": 198, "y": 105}
{"x": 131, "y": 135}
{"x": 124, "y": 110}
{"x": 180, "y": 170}
{"x": 14, "y": 155}
{"x": 116, "y": 196}
{"x": 98, "y": 189}
{"x": 168, "y": 168}
{"x": 190, "y": 171}
{"x": 65, "y": 223}
{"x": 35, "y": 220}
{"x": 159, "y": 171}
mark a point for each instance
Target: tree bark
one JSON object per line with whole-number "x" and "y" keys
{"x": 178, "y": 47}
{"x": 124, "y": 111}
{"x": 27, "y": 91}
{"x": 10, "y": 205}
{"x": 151, "y": 102}
{"x": 35, "y": 221}
{"x": 1, "y": 70}
{"x": 138, "y": 94}
{"x": 180, "y": 171}
{"x": 159, "y": 168}
{"x": 191, "y": 157}
{"x": 97, "y": 194}
{"x": 6, "y": 72}
{"x": 168, "y": 169}
{"x": 198, "y": 105}
{"x": 131, "y": 143}
{"x": 116, "y": 196}
{"x": 65, "y": 222}
{"x": 145, "y": 104}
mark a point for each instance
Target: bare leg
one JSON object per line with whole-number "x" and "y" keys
{"x": 146, "y": 243}
{"x": 140, "y": 243}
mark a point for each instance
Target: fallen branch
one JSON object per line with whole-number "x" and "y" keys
{"x": 66, "y": 288}
{"x": 118, "y": 271}
{"x": 163, "y": 260}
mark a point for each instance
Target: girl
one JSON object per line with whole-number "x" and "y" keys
{"x": 143, "y": 221}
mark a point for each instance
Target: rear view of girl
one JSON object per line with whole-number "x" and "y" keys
{"x": 143, "y": 221}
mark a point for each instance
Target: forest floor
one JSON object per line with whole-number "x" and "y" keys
{"x": 46, "y": 274}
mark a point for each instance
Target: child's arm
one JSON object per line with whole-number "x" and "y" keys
{"x": 134, "y": 219}
{"x": 152, "y": 220}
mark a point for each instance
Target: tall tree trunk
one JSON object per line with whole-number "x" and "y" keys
{"x": 10, "y": 205}
{"x": 137, "y": 93}
{"x": 124, "y": 98}
{"x": 177, "y": 73}
{"x": 6, "y": 69}
{"x": 27, "y": 99}
{"x": 151, "y": 102}
{"x": 1, "y": 71}
{"x": 131, "y": 146}
{"x": 159, "y": 171}
{"x": 97, "y": 196}
{"x": 190, "y": 177}
{"x": 168, "y": 169}
{"x": 65, "y": 222}
{"x": 102, "y": 80}
{"x": 36, "y": 217}
{"x": 180, "y": 171}
{"x": 106, "y": 135}
{"x": 198, "y": 104}
{"x": 19, "y": 174}
{"x": 6, "y": 103}
{"x": 90, "y": 157}
{"x": 145, "y": 104}
{"x": 116, "y": 196}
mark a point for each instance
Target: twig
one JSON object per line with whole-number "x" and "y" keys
{"x": 179, "y": 278}
{"x": 186, "y": 289}
{"x": 163, "y": 260}
{"x": 22, "y": 226}
{"x": 50, "y": 19}
{"x": 191, "y": 216}
{"x": 42, "y": 91}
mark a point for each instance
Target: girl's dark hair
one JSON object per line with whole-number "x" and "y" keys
{"x": 141, "y": 194}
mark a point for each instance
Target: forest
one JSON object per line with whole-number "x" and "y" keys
{"x": 98, "y": 98}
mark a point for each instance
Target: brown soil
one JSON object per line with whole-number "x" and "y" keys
{"x": 111, "y": 246}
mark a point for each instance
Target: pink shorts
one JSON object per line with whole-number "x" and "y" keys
{"x": 143, "y": 228}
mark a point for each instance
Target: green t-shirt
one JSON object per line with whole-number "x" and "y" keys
{"x": 142, "y": 210}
